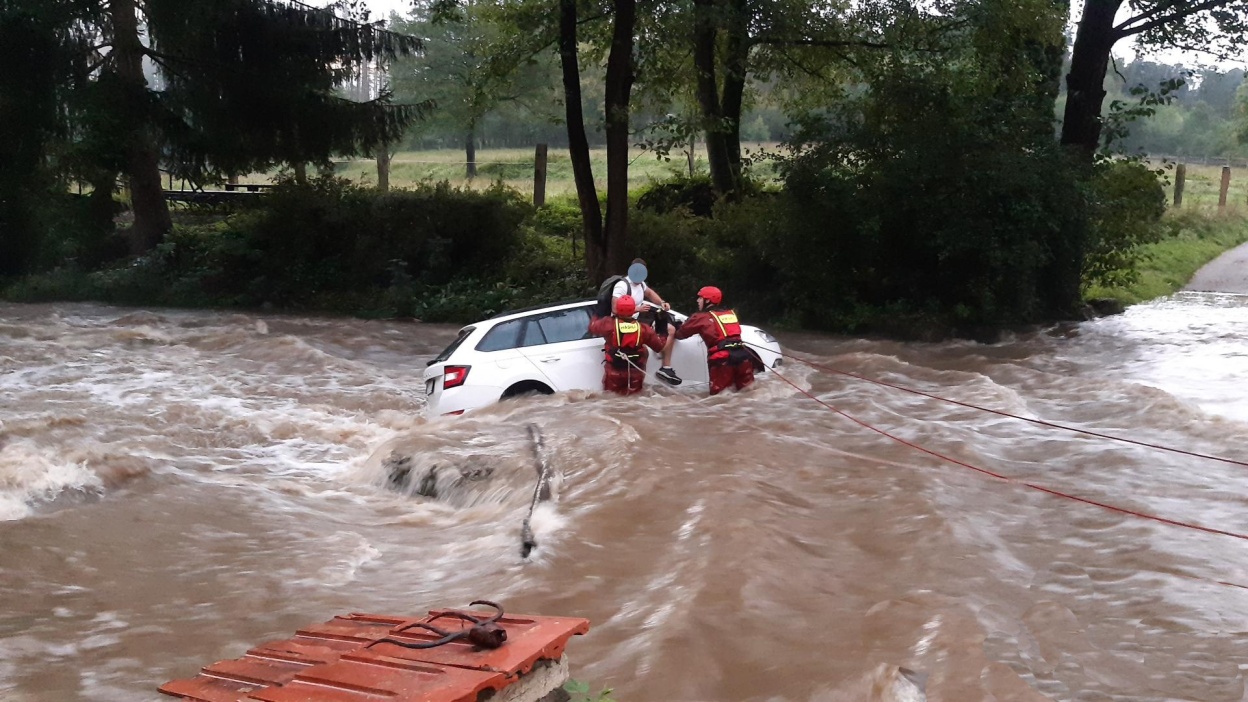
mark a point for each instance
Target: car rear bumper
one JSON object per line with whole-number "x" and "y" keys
{"x": 464, "y": 398}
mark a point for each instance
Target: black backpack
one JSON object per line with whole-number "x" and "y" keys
{"x": 603, "y": 308}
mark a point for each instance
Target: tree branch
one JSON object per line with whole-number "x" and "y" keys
{"x": 811, "y": 72}
{"x": 92, "y": 68}
{"x": 1167, "y": 19}
{"x": 165, "y": 65}
{"x": 1157, "y": 9}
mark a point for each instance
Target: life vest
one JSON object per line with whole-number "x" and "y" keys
{"x": 729, "y": 348}
{"x": 623, "y": 349}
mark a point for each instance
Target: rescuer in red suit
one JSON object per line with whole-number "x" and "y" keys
{"x": 729, "y": 361}
{"x": 624, "y": 352}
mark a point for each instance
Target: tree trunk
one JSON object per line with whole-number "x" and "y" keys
{"x": 100, "y": 203}
{"x": 301, "y": 172}
{"x": 704, "y": 41}
{"x": 470, "y": 154}
{"x": 619, "y": 86}
{"x": 721, "y": 111}
{"x": 1085, "y": 84}
{"x": 736, "y": 50}
{"x": 383, "y": 167}
{"x": 151, "y": 213}
{"x": 578, "y": 143}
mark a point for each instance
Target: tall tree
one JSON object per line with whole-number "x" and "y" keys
{"x": 39, "y": 61}
{"x": 578, "y": 142}
{"x": 606, "y": 242}
{"x": 621, "y": 72}
{"x": 470, "y": 68}
{"x": 1218, "y": 27}
{"x": 243, "y": 85}
{"x": 735, "y": 42}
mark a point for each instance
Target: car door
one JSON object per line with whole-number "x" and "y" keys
{"x": 559, "y": 344}
{"x": 688, "y": 358}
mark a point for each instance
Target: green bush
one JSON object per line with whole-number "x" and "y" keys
{"x": 917, "y": 200}
{"x": 329, "y": 236}
{"x": 693, "y": 194}
{"x": 1127, "y": 203}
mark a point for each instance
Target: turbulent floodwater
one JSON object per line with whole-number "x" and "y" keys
{"x": 177, "y": 486}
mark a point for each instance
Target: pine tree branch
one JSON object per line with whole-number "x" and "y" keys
{"x": 92, "y": 68}
{"x": 160, "y": 60}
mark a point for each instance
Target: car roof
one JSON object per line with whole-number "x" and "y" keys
{"x": 540, "y": 308}
{"x": 508, "y": 315}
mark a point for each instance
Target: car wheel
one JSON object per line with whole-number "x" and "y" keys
{"x": 527, "y": 387}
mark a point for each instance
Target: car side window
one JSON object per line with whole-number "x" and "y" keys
{"x": 565, "y": 325}
{"x": 502, "y": 337}
{"x": 533, "y": 335}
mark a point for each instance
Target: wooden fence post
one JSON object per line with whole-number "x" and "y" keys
{"x": 539, "y": 176}
{"x": 1180, "y": 177}
{"x": 1226, "y": 186}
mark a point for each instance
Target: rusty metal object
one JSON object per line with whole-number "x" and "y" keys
{"x": 483, "y": 634}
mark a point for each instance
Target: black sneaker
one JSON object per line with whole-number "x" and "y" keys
{"x": 667, "y": 375}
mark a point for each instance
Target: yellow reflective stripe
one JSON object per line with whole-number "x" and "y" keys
{"x": 626, "y": 328}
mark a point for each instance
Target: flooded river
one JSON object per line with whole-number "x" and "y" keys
{"x": 176, "y": 486}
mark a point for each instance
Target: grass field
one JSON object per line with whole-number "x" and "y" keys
{"x": 1201, "y": 189}
{"x": 514, "y": 167}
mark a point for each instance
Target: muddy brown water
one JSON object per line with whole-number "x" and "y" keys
{"x": 176, "y": 486}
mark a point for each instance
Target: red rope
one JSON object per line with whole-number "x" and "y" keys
{"x": 1001, "y": 413}
{"x": 1040, "y": 488}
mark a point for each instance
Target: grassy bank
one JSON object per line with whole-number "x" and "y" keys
{"x": 1195, "y": 237}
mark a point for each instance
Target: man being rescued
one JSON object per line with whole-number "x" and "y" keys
{"x": 729, "y": 361}
{"x": 625, "y": 349}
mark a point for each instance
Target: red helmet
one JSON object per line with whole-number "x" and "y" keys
{"x": 711, "y": 294}
{"x": 625, "y": 306}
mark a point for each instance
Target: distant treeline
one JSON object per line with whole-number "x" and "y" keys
{"x": 1205, "y": 118}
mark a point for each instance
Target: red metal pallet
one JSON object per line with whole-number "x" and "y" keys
{"x": 342, "y": 660}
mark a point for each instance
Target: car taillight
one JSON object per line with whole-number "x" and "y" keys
{"x": 454, "y": 376}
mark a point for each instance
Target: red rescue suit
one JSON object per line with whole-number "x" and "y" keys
{"x": 729, "y": 361}
{"x": 625, "y": 352}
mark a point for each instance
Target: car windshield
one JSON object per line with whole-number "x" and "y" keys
{"x": 446, "y": 352}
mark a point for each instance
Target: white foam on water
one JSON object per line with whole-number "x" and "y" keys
{"x": 30, "y": 474}
{"x": 354, "y": 551}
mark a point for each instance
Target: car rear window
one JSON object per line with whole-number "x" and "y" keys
{"x": 446, "y": 352}
{"x": 502, "y": 337}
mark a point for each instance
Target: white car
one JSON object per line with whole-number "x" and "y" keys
{"x": 548, "y": 350}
